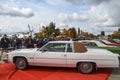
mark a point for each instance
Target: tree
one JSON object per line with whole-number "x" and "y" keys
{"x": 119, "y": 30}
{"x": 45, "y": 31}
{"x": 72, "y": 32}
{"x": 78, "y": 31}
{"x": 64, "y": 32}
{"x": 57, "y": 32}
{"x": 116, "y": 34}
{"x": 91, "y": 35}
{"x": 84, "y": 34}
{"x": 50, "y": 30}
{"x": 102, "y": 33}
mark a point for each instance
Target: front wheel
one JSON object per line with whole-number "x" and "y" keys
{"x": 85, "y": 67}
{"x": 21, "y": 63}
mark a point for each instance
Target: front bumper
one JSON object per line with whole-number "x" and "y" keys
{"x": 5, "y": 60}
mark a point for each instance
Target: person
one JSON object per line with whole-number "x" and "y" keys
{"x": 4, "y": 44}
{"x": 45, "y": 40}
{"x": 37, "y": 43}
{"x": 29, "y": 42}
{"x": 17, "y": 43}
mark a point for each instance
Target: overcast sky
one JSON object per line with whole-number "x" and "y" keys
{"x": 90, "y": 15}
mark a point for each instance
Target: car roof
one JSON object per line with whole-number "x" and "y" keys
{"x": 78, "y": 47}
{"x": 61, "y": 42}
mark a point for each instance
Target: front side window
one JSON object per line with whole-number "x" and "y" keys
{"x": 55, "y": 47}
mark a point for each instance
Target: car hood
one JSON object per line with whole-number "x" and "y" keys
{"x": 25, "y": 50}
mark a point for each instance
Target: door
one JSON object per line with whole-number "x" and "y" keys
{"x": 52, "y": 54}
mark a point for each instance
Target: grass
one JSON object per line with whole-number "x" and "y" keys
{"x": 112, "y": 49}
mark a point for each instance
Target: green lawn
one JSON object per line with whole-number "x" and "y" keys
{"x": 112, "y": 49}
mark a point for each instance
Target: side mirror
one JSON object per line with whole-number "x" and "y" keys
{"x": 43, "y": 50}
{"x": 38, "y": 49}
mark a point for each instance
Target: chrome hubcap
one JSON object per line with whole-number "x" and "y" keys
{"x": 86, "y": 66}
{"x": 21, "y": 63}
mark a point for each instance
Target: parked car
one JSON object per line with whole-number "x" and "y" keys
{"x": 107, "y": 42}
{"x": 94, "y": 43}
{"x": 98, "y": 44}
{"x": 64, "y": 54}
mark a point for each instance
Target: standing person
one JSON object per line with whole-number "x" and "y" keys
{"x": 37, "y": 43}
{"x": 45, "y": 40}
{"x": 30, "y": 42}
{"x": 16, "y": 43}
{"x": 4, "y": 44}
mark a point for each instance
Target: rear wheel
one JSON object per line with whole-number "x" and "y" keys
{"x": 21, "y": 63}
{"x": 85, "y": 67}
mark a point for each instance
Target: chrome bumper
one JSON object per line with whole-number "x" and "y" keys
{"x": 5, "y": 60}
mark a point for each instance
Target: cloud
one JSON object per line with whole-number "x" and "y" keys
{"x": 63, "y": 25}
{"x": 106, "y": 14}
{"x": 98, "y": 15}
{"x": 15, "y": 11}
{"x": 64, "y": 17}
{"x": 87, "y": 2}
{"x": 90, "y": 15}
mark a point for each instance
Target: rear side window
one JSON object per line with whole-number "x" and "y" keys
{"x": 69, "y": 48}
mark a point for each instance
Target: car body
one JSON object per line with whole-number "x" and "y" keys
{"x": 93, "y": 43}
{"x": 64, "y": 54}
{"x": 106, "y": 42}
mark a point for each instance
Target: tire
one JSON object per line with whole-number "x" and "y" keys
{"x": 85, "y": 67}
{"x": 21, "y": 63}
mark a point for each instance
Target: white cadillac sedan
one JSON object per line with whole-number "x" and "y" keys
{"x": 64, "y": 54}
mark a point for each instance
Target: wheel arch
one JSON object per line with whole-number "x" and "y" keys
{"x": 15, "y": 57}
{"x": 94, "y": 64}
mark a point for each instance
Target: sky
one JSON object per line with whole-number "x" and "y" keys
{"x": 92, "y": 16}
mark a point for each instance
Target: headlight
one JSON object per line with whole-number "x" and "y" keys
{"x": 7, "y": 56}
{"x": 5, "y": 59}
